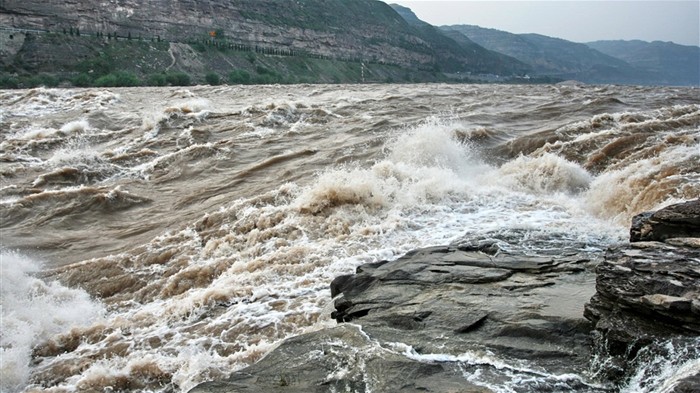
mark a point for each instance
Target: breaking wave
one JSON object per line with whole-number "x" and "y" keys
{"x": 209, "y": 221}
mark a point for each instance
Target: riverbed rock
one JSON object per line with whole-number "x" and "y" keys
{"x": 441, "y": 319}
{"x": 342, "y": 359}
{"x": 681, "y": 220}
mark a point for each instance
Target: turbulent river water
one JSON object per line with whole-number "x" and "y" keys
{"x": 156, "y": 238}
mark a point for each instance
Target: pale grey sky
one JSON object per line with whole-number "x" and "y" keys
{"x": 578, "y": 21}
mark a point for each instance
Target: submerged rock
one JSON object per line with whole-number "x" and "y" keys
{"x": 342, "y": 359}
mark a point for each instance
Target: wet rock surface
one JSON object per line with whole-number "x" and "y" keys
{"x": 676, "y": 221}
{"x": 441, "y": 319}
{"x": 452, "y": 300}
{"x": 342, "y": 359}
{"x": 655, "y": 284}
{"x": 648, "y": 292}
{"x": 474, "y": 318}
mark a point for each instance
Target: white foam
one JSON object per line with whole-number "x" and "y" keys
{"x": 76, "y": 154}
{"x": 431, "y": 144}
{"x": 32, "y": 311}
{"x": 665, "y": 371}
{"x": 75, "y": 127}
{"x": 642, "y": 185}
{"x": 544, "y": 174}
{"x": 195, "y": 108}
{"x": 42, "y": 101}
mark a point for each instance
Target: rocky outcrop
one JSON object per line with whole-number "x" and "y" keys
{"x": 473, "y": 318}
{"x": 360, "y": 30}
{"x": 441, "y": 319}
{"x": 656, "y": 285}
{"x": 675, "y": 221}
{"x": 648, "y": 292}
{"x": 471, "y": 297}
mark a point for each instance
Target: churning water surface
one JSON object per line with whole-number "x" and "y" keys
{"x": 155, "y": 238}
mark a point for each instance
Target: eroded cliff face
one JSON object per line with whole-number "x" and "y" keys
{"x": 364, "y": 30}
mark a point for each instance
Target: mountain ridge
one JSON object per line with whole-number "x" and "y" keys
{"x": 677, "y": 64}
{"x": 368, "y": 35}
{"x": 600, "y": 62}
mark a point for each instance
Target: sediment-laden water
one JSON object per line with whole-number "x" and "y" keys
{"x": 155, "y": 238}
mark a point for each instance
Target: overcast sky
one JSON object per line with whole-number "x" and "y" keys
{"x": 578, "y": 21}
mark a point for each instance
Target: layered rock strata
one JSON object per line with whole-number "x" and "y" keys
{"x": 648, "y": 291}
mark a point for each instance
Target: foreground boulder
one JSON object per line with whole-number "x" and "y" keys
{"x": 451, "y": 300}
{"x": 442, "y": 319}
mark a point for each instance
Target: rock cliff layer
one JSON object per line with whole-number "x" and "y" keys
{"x": 367, "y": 30}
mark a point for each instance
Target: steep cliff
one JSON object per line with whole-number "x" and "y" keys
{"x": 368, "y": 31}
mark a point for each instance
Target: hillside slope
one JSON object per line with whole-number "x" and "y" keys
{"x": 358, "y": 31}
{"x": 457, "y": 50}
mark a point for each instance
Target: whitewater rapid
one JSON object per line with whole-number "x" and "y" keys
{"x": 156, "y": 238}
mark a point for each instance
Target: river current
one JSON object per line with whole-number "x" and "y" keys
{"x": 156, "y": 238}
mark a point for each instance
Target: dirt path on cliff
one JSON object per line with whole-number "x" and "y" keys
{"x": 185, "y": 57}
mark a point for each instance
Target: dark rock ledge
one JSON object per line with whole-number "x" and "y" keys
{"x": 476, "y": 319}
{"x": 648, "y": 294}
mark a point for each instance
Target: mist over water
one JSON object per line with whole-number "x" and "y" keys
{"x": 155, "y": 238}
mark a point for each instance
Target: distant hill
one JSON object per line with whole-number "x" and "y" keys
{"x": 555, "y": 57}
{"x": 672, "y": 64}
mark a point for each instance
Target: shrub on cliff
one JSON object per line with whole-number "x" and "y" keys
{"x": 157, "y": 79}
{"x": 178, "y": 79}
{"x": 102, "y": 65}
{"x": 82, "y": 80}
{"x": 42, "y": 80}
{"x": 239, "y": 77}
{"x": 212, "y": 78}
{"x": 8, "y": 82}
{"x": 118, "y": 79}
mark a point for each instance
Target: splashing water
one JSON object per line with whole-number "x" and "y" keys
{"x": 224, "y": 213}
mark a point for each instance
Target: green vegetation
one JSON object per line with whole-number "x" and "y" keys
{"x": 178, "y": 79}
{"x": 118, "y": 79}
{"x": 113, "y": 79}
{"x": 239, "y": 77}
{"x": 28, "y": 81}
{"x": 82, "y": 80}
{"x": 157, "y": 79}
{"x": 100, "y": 60}
{"x": 212, "y": 78}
